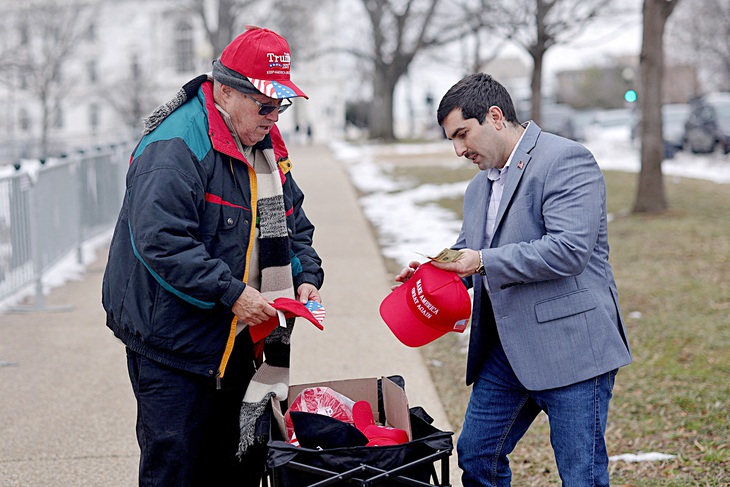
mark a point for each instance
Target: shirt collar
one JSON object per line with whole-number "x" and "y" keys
{"x": 494, "y": 173}
{"x": 519, "y": 141}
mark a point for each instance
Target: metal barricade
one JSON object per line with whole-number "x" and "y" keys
{"x": 48, "y": 210}
{"x": 16, "y": 264}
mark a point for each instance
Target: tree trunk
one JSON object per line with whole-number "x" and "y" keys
{"x": 380, "y": 119}
{"x": 536, "y": 86}
{"x": 537, "y": 52}
{"x": 650, "y": 197}
{"x": 44, "y": 99}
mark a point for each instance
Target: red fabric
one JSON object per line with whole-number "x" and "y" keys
{"x": 263, "y": 56}
{"x": 280, "y": 150}
{"x": 220, "y": 136}
{"x": 430, "y": 304}
{"x": 291, "y": 309}
{"x": 320, "y": 400}
{"x": 212, "y": 198}
{"x": 378, "y": 435}
{"x": 258, "y": 353}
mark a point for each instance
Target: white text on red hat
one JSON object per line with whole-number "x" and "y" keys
{"x": 422, "y": 304}
{"x": 279, "y": 64}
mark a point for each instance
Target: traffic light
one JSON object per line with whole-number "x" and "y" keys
{"x": 630, "y": 96}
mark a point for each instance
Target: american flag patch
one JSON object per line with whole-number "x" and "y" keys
{"x": 316, "y": 309}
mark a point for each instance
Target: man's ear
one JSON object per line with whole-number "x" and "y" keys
{"x": 495, "y": 116}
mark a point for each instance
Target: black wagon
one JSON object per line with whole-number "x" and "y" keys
{"x": 422, "y": 461}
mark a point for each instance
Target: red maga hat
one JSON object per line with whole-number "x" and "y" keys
{"x": 262, "y": 56}
{"x": 430, "y": 304}
{"x": 376, "y": 435}
{"x": 291, "y": 308}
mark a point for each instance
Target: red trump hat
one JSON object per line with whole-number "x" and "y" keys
{"x": 291, "y": 308}
{"x": 430, "y": 304}
{"x": 264, "y": 58}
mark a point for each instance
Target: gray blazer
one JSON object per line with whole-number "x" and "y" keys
{"x": 553, "y": 298}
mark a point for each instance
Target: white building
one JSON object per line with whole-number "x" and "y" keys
{"x": 131, "y": 56}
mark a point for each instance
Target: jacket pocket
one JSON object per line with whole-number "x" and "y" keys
{"x": 564, "y": 306}
{"x": 219, "y": 218}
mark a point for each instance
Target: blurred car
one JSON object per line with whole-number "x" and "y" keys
{"x": 708, "y": 125}
{"x": 555, "y": 118}
{"x": 612, "y": 124}
{"x": 613, "y": 118}
{"x": 674, "y": 117}
{"x": 558, "y": 119}
{"x": 582, "y": 120}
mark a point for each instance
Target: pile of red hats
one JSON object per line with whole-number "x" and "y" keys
{"x": 320, "y": 417}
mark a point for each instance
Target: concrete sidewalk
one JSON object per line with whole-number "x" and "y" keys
{"x": 67, "y": 411}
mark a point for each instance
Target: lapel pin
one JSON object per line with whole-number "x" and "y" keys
{"x": 520, "y": 165}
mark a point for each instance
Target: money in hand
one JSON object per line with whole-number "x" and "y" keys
{"x": 447, "y": 255}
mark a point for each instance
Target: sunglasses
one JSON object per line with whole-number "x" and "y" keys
{"x": 265, "y": 109}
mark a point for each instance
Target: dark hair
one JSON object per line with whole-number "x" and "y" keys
{"x": 474, "y": 94}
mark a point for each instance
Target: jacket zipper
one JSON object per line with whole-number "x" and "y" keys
{"x": 232, "y": 332}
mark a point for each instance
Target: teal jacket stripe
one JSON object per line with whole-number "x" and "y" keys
{"x": 184, "y": 123}
{"x": 164, "y": 284}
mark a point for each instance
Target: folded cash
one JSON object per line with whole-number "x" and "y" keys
{"x": 447, "y": 255}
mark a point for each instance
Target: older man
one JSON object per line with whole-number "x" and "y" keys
{"x": 211, "y": 231}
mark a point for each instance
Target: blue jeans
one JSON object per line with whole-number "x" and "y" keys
{"x": 501, "y": 410}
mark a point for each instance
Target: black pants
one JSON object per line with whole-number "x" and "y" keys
{"x": 188, "y": 431}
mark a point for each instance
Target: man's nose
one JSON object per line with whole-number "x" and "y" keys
{"x": 273, "y": 116}
{"x": 459, "y": 148}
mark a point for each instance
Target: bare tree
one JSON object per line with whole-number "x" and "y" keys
{"x": 297, "y": 22}
{"x": 400, "y": 31}
{"x": 131, "y": 96}
{"x": 483, "y": 52}
{"x": 472, "y": 24}
{"x": 403, "y": 29}
{"x": 538, "y": 25}
{"x": 650, "y": 196}
{"x": 222, "y": 19}
{"x": 698, "y": 34}
{"x": 48, "y": 34}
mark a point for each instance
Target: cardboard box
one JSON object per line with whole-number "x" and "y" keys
{"x": 395, "y": 402}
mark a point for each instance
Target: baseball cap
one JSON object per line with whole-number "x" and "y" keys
{"x": 377, "y": 435}
{"x": 263, "y": 57}
{"x": 430, "y": 304}
{"x": 314, "y": 430}
{"x": 291, "y": 308}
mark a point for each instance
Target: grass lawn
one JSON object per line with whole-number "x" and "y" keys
{"x": 673, "y": 275}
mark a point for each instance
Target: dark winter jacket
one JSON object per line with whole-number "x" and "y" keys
{"x": 181, "y": 244}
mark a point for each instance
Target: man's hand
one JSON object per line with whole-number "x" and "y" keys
{"x": 307, "y": 292}
{"x": 466, "y": 266}
{"x": 405, "y": 274}
{"x": 251, "y": 307}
